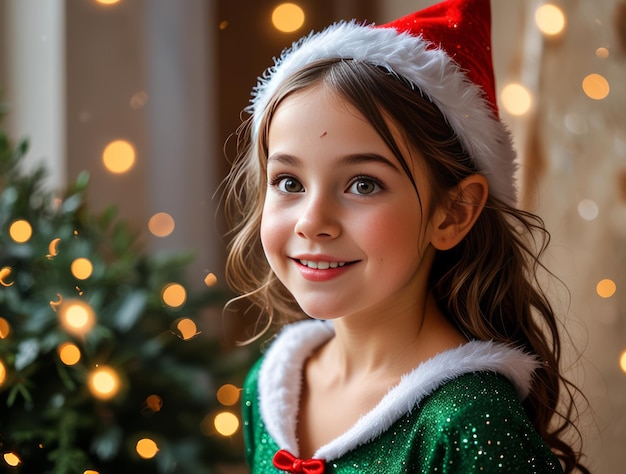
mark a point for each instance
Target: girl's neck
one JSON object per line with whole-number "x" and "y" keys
{"x": 391, "y": 343}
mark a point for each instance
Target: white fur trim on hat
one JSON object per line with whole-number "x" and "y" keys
{"x": 431, "y": 69}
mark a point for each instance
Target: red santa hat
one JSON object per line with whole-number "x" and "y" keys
{"x": 445, "y": 51}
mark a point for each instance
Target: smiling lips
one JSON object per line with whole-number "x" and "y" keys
{"x": 321, "y": 270}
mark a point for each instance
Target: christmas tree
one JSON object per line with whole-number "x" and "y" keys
{"x": 103, "y": 364}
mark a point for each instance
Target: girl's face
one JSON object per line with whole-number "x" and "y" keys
{"x": 342, "y": 224}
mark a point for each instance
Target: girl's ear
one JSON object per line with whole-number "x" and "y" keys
{"x": 454, "y": 219}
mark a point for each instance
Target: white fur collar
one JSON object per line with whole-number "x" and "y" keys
{"x": 280, "y": 380}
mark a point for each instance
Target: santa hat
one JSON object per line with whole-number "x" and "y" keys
{"x": 444, "y": 50}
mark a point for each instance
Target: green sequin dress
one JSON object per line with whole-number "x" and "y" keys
{"x": 459, "y": 412}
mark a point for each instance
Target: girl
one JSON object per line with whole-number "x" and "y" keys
{"x": 374, "y": 202}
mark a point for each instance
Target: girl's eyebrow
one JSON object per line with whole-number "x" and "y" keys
{"x": 353, "y": 159}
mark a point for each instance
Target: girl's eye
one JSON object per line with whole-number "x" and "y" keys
{"x": 364, "y": 186}
{"x": 288, "y": 185}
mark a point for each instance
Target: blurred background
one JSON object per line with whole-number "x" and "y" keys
{"x": 145, "y": 96}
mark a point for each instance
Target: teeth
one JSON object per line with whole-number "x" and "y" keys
{"x": 321, "y": 265}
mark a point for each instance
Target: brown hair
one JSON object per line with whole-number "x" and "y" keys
{"x": 487, "y": 285}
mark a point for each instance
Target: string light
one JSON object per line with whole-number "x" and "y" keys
{"x": 118, "y": 156}
{"x": 226, "y": 423}
{"x": 53, "y": 248}
{"x": 82, "y": 268}
{"x": 516, "y": 99}
{"x": 596, "y": 87}
{"x": 186, "y": 328}
{"x": 12, "y": 459}
{"x": 622, "y": 361}
{"x": 174, "y": 295}
{"x": 161, "y": 224}
{"x": 606, "y": 288}
{"x": 108, "y": 2}
{"x": 550, "y": 19}
{"x": 228, "y": 395}
{"x": 3, "y": 373}
{"x": 21, "y": 231}
{"x": 210, "y": 280}
{"x": 77, "y": 317}
{"x": 5, "y": 328}
{"x": 147, "y": 448}
{"x": 69, "y": 353}
{"x": 104, "y": 383}
{"x": 90, "y": 471}
{"x": 288, "y": 17}
{"x": 5, "y": 273}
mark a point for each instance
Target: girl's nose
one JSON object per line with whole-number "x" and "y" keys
{"x": 319, "y": 220}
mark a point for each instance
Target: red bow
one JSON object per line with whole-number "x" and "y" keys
{"x": 288, "y": 462}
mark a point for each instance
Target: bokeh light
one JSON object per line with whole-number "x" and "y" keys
{"x": 210, "y": 279}
{"x": 82, "y": 268}
{"x": 12, "y": 459}
{"x": 3, "y": 373}
{"x": 147, "y": 448}
{"x": 53, "y": 248}
{"x": 602, "y": 53}
{"x": 588, "y": 209}
{"x": 606, "y": 288}
{"x": 550, "y": 19}
{"x": 288, "y": 17}
{"x": 174, "y": 295}
{"x": 76, "y": 316}
{"x": 186, "y": 328}
{"x": 118, "y": 156}
{"x": 90, "y": 471}
{"x": 104, "y": 382}
{"x": 5, "y": 276}
{"x": 154, "y": 403}
{"x": 139, "y": 100}
{"x": 622, "y": 361}
{"x": 69, "y": 353}
{"x": 21, "y": 231}
{"x": 108, "y": 2}
{"x": 596, "y": 86}
{"x": 228, "y": 395}
{"x": 226, "y": 423}
{"x": 516, "y": 99}
{"x": 5, "y": 328}
{"x": 161, "y": 224}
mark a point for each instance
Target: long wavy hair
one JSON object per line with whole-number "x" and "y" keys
{"x": 487, "y": 285}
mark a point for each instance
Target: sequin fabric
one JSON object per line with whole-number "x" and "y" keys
{"x": 472, "y": 424}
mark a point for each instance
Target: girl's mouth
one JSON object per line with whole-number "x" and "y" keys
{"x": 321, "y": 265}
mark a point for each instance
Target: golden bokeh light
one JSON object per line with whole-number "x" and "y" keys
{"x": 21, "y": 231}
{"x": 82, "y": 268}
{"x": 606, "y": 288}
{"x": 5, "y": 328}
{"x": 174, "y": 295}
{"x": 3, "y": 373}
{"x": 69, "y": 353}
{"x": 210, "y": 279}
{"x": 186, "y": 328}
{"x": 622, "y": 361}
{"x": 12, "y": 459}
{"x": 288, "y": 17}
{"x": 55, "y": 305}
{"x": 154, "y": 403}
{"x": 516, "y": 99}
{"x": 161, "y": 224}
{"x": 107, "y": 2}
{"x": 90, "y": 471}
{"x": 104, "y": 382}
{"x": 228, "y": 395}
{"x": 76, "y": 316}
{"x": 119, "y": 156}
{"x": 226, "y": 423}
{"x": 147, "y": 448}
{"x": 596, "y": 86}
{"x": 5, "y": 274}
{"x": 53, "y": 248}
{"x": 602, "y": 53}
{"x": 550, "y": 19}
